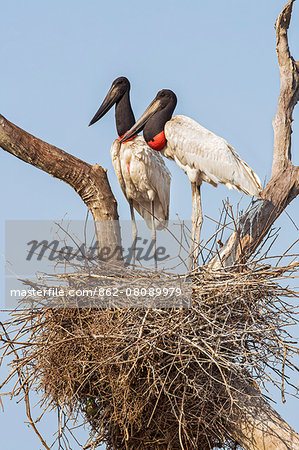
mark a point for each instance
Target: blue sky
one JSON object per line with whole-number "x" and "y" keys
{"x": 58, "y": 60}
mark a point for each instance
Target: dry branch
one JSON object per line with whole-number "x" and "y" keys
{"x": 24, "y": 387}
{"x": 164, "y": 378}
{"x": 283, "y": 186}
{"x": 261, "y": 427}
{"x": 90, "y": 182}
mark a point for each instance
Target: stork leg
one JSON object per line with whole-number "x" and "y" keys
{"x": 154, "y": 240}
{"x": 192, "y": 241}
{"x": 134, "y": 232}
{"x": 197, "y": 220}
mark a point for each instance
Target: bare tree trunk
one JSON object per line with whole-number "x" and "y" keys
{"x": 283, "y": 186}
{"x": 90, "y": 182}
{"x": 261, "y": 428}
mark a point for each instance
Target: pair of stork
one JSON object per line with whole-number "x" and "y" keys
{"x": 141, "y": 171}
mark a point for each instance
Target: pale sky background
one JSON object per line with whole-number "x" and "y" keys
{"x": 58, "y": 60}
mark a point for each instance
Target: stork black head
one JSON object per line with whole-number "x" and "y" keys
{"x": 118, "y": 94}
{"x": 166, "y": 98}
{"x": 153, "y": 120}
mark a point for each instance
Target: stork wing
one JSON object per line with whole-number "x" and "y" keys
{"x": 148, "y": 179}
{"x": 152, "y": 180}
{"x": 115, "y": 154}
{"x": 207, "y": 157}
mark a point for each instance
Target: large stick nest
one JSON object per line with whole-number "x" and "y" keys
{"x": 157, "y": 378}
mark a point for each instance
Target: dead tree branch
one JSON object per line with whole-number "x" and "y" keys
{"x": 26, "y": 390}
{"x": 283, "y": 186}
{"x": 289, "y": 94}
{"x": 90, "y": 182}
{"x": 261, "y": 428}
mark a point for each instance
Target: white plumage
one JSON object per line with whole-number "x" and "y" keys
{"x": 144, "y": 178}
{"x": 206, "y": 157}
{"x": 200, "y": 153}
{"x": 141, "y": 172}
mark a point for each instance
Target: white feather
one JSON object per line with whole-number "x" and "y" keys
{"x": 206, "y": 157}
{"x": 143, "y": 178}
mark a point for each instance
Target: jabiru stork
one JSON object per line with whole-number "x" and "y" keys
{"x": 141, "y": 172}
{"x": 200, "y": 153}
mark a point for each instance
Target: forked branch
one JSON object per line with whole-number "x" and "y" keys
{"x": 283, "y": 186}
{"x": 90, "y": 182}
{"x": 259, "y": 426}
